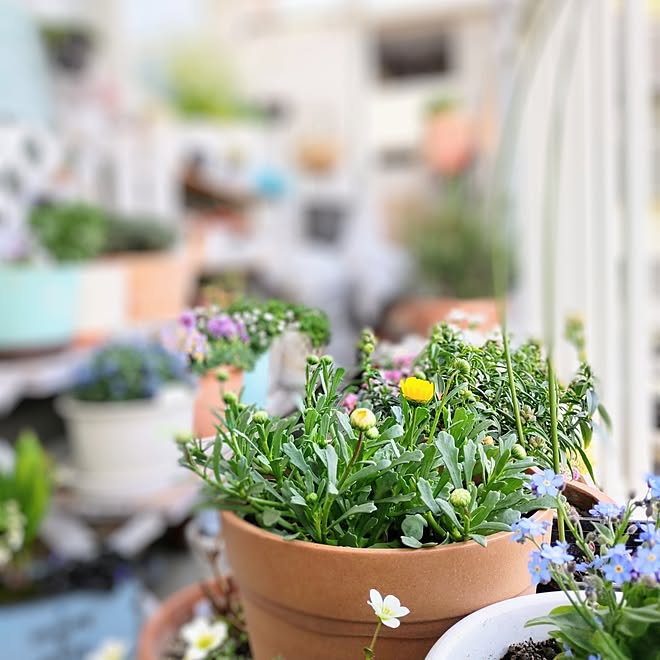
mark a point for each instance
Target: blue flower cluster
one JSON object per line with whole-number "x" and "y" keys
{"x": 128, "y": 371}
{"x": 546, "y": 483}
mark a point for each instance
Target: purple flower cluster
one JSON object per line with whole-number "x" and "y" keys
{"x": 546, "y": 483}
{"x": 224, "y": 326}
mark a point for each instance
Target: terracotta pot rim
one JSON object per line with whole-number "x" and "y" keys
{"x": 456, "y": 548}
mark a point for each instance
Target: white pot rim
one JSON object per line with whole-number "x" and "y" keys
{"x": 449, "y": 646}
{"x": 171, "y": 394}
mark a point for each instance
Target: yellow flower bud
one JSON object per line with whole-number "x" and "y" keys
{"x": 417, "y": 390}
{"x": 488, "y": 440}
{"x": 363, "y": 419}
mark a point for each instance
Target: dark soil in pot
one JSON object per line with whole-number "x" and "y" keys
{"x": 50, "y": 576}
{"x": 529, "y": 650}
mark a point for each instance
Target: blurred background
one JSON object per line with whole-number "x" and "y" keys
{"x": 369, "y": 157}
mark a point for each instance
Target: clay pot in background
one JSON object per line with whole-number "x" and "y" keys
{"x": 418, "y": 315}
{"x": 162, "y": 627}
{"x": 583, "y": 496}
{"x": 159, "y": 284}
{"x": 449, "y": 142}
{"x": 209, "y": 399}
{"x": 306, "y": 600}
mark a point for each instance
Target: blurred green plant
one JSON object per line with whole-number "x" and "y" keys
{"x": 454, "y": 249}
{"x": 138, "y": 235}
{"x": 201, "y": 85}
{"x": 25, "y": 491}
{"x": 69, "y": 231}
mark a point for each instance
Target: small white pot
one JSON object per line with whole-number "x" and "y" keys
{"x": 127, "y": 448}
{"x": 487, "y": 633}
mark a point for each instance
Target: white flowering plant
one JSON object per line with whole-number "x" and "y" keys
{"x": 610, "y": 575}
{"x": 236, "y": 335}
{"x": 25, "y": 490}
{"x": 369, "y": 479}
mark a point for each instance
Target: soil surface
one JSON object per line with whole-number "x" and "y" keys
{"x": 530, "y": 650}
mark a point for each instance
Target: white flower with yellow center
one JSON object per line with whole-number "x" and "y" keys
{"x": 110, "y": 649}
{"x": 201, "y": 637}
{"x": 389, "y": 609}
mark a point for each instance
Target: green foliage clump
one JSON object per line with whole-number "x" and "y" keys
{"x": 138, "y": 235}
{"x": 70, "y": 231}
{"x": 370, "y": 479}
{"x": 25, "y": 492}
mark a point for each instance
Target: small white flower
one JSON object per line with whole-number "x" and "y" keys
{"x": 5, "y": 555}
{"x": 388, "y": 610}
{"x": 110, "y": 649}
{"x": 201, "y": 637}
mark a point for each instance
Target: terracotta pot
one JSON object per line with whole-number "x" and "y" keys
{"x": 418, "y": 315}
{"x": 305, "y": 600}
{"x": 159, "y": 284}
{"x": 209, "y": 399}
{"x": 162, "y": 627}
{"x": 449, "y": 142}
{"x": 583, "y": 496}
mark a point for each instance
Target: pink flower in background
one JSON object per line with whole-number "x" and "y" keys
{"x": 350, "y": 401}
{"x": 187, "y": 319}
{"x": 393, "y": 376}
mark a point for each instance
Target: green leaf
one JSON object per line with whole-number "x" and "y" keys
{"x": 296, "y": 456}
{"x": 647, "y": 614}
{"x": 365, "y": 507}
{"x": 449, "y": 452}
{"x": 411, "y": 542}
{"x": 481, "y": 540}
{"x": 469, "y": 459}
{"x": 331, "y": 462}
{"x": 408, "y": 457}
{"x": 393, "y": 432}
{"x": 414, "y": 526}
{"x": 448, "y": 510}
{"x": 368, "y": 471}
{"x": 606, "y": 645}
{"x": 426, "y": 493}
{"x": 270, "y": 517}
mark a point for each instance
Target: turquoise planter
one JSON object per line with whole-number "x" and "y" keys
{"x": 256, "y": 382}
{"x": 38, "y": 306}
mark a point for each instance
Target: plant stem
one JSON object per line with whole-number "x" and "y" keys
{"x": 554, "y": 438}
{"x": 512, "y": 384}
{"x": 369, "y": 651}
{"x": 434, "y": 524}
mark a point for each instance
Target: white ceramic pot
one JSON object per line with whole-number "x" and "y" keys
{"x": 487, "y": 633}
{"x": 127, "y": 448}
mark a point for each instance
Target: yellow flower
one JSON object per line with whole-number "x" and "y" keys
{"x": 417, "y": 389}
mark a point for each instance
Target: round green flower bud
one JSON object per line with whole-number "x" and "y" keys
{"x": 420, "y": 374}
{"x": 183, "y": 438}
{"x": 222, "y": 375}
{"x": 242, "y": 406}
{"x": 261, "y": 417}
{"x": 373, "y": 433}
{"x": 327, "y": 359}
{"x": 462, "y": 366}
{"x": 460, "y": 498}
{"x": 362, "y": 419}
{"x": 536, "y": 441}
{"x": 312, "y": 360}
{"x": 311, "y": 498}
{"x": 518, "y": 452}
{"x": 230, "y": 398}
{"x": 368, "y": 348}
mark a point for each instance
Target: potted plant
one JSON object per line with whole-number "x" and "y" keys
{"x": 158, "y": 278}
{"x": 319, "y": 506}
{"x": 40, "y": 285}
{"x": 52, "y": 605}
{"x": 229, "y": 348}
{"x": 608, "y": 599}
{"x": 454, "y": 252}
{"x": 129, "y": 403}
{"x": 449, "y": 138}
